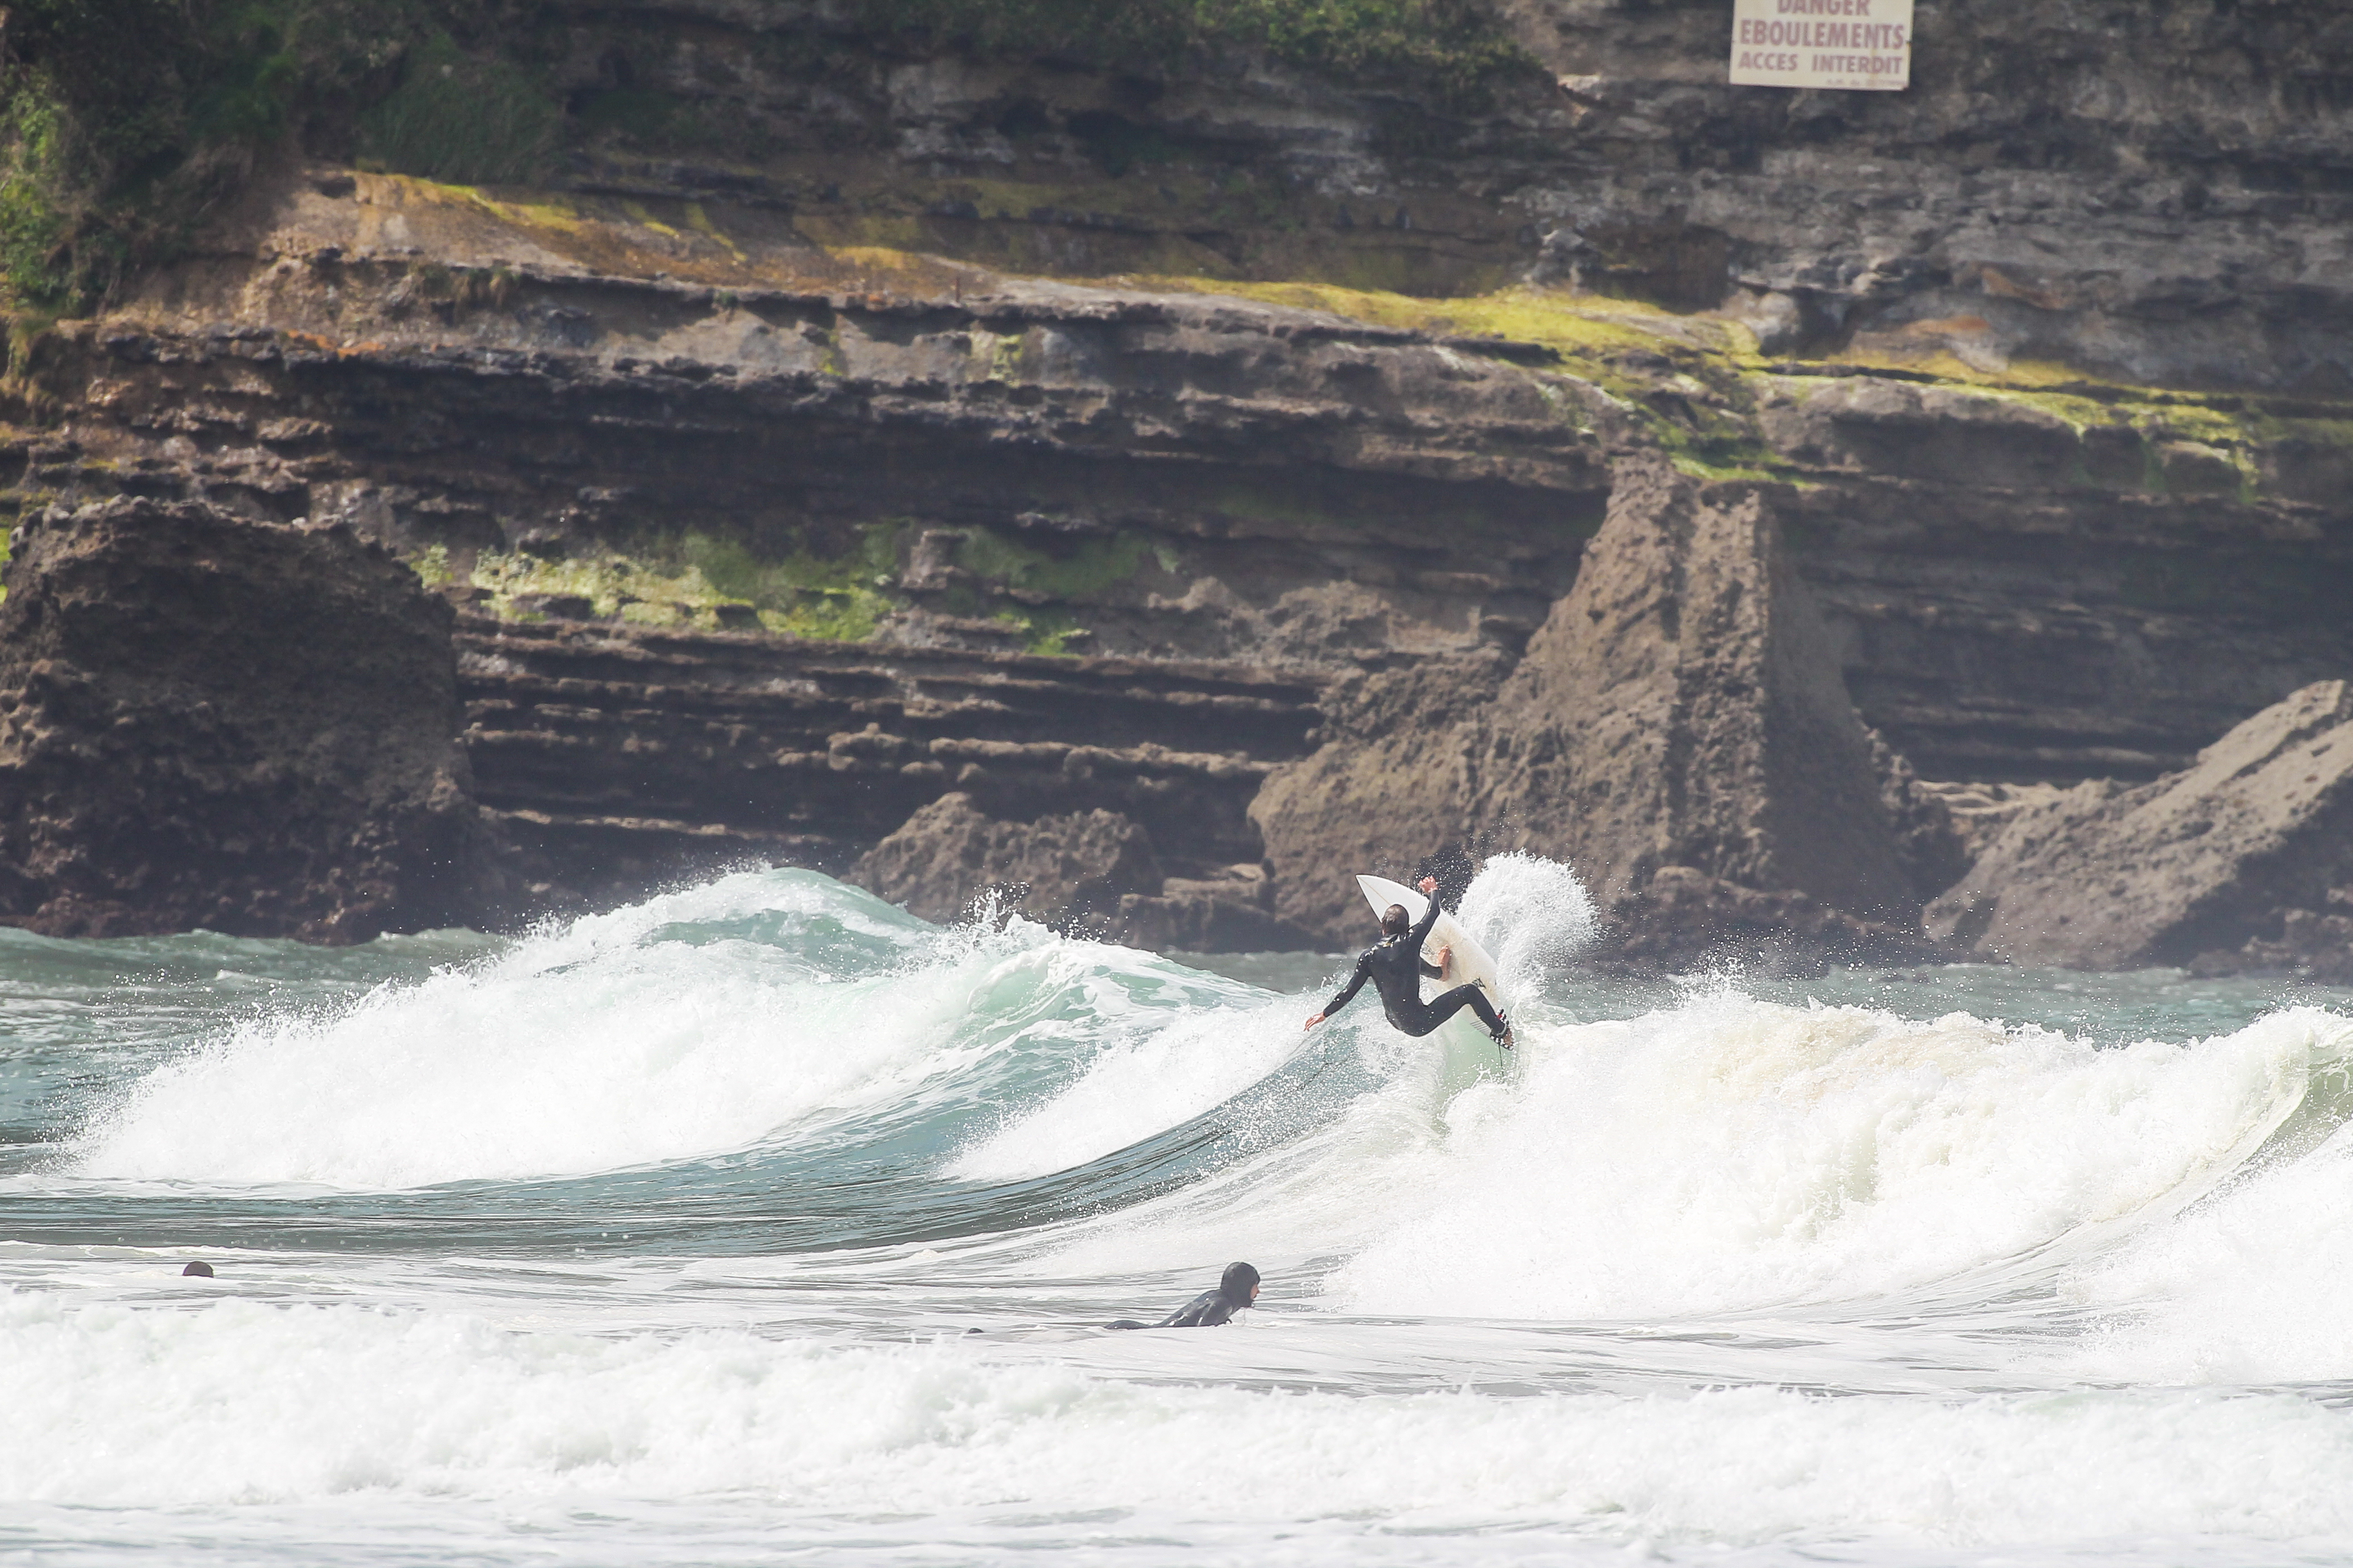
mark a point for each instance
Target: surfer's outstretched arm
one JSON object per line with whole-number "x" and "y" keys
{"x": 1347, "y": 992}
{"x": 1420, "y": 932}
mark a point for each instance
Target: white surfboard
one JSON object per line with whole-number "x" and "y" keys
{"x": 1467, "y": 1045}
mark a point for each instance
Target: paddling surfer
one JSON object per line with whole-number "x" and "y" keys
{"x": 1394, "y": 966}
{"x": 1211, "y": 1308}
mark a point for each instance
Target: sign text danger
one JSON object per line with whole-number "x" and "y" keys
{"x": 1858, "y": 44}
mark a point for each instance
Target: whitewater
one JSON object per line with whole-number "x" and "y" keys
{"x": 763, "y": 1222}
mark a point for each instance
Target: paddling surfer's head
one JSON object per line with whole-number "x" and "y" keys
{"x": 1241, "y": 1284}
{"x": 1395, "y": 922}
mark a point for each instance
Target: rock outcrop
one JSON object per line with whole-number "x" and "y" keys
{"x": 1681, "y": 709}
{"x": 950, "y": 853}
{"x": 219, "y": 723}
{"x": 1092, "y": 872}
{"x": 2243, "y": 861}
{"x": 1682, "y": 706}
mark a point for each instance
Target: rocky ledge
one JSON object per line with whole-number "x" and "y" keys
{"x": 2243, "y": 861}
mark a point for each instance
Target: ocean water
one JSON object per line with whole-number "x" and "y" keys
{"x": 764, "y": 1223}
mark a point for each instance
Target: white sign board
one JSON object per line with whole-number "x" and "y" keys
{"x": 1859, "y": 44}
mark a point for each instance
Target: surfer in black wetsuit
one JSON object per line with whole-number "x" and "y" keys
{"x": 1394, "y": 966}
{"x": 1234, "y": 1293}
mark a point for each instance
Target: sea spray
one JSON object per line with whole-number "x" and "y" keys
{"x": 1532, "y": 916}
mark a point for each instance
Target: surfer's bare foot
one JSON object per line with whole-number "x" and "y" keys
{"x": 1502, "y": 1035}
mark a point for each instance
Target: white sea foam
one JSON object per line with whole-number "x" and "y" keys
{"x": 587, "y": 1048}
{"x": 2253, "y": 1286}
{"x": 248, "y": 1405}
{"x": 1531, "y": 913}
{"x": 1734, "y": 1154}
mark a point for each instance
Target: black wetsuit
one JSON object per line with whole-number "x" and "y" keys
{"x": 1394, "y": 966}
{"x": 1206, "y": 1311}
{"x": 1210, "y": 1307}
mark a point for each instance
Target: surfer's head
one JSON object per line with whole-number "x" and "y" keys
{"x": 1241, "y": 1284}
{"x": 1395, "y": 922}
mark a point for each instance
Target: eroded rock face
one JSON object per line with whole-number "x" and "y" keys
{"x": 2243, "y": 861}
{"x": 951, "y": 853}
{"x": 217, "y": 724}
{"x": 619, "y": 759}
{"x": 2134, "y": 228}
{"x": 1092, "y": 871}
{"x": 1393, "y": 779}
{"x": 1682, "y": 708}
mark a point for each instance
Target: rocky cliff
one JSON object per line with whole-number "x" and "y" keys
{"x": 250, "y": 728}
{"x": 817, "y": 352}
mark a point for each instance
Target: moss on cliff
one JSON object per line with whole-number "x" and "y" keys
{"x": 695, "y": 579}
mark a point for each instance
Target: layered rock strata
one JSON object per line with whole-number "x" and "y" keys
{"x": 1161, "y": 476}
{"x": 2021, "y": 587}
{"x": 2155, "y": 193}
{"x": 1922, "y": 330}
{"x": 2243, "y": 862}
{"x": 618, "y": 758}
{"x": 221, "y": 724}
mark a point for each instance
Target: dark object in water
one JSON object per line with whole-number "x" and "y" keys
{"x": 1234, "y": 1293}
{"x": 199, "y": 1271}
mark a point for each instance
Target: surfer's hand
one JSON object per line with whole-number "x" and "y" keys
{"x": 1445, "y": 962}
{"x": 1311, "y": 1023}
{"x": 1428, "y": 884}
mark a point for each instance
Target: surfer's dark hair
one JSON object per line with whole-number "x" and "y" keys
{"x": 1236, "y": 1286}
{"x": 1395, "y": 922}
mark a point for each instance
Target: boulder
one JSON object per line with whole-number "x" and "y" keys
{"x": 1092, "y": 872}
{"x": 945, "y": 856}
{"x": 207, "y": 721}
{"x": 2243, "y": 861}
{"x": 1230, "y": 912}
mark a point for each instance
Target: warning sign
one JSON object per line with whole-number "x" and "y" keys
{"x": 1859, "y": 44}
